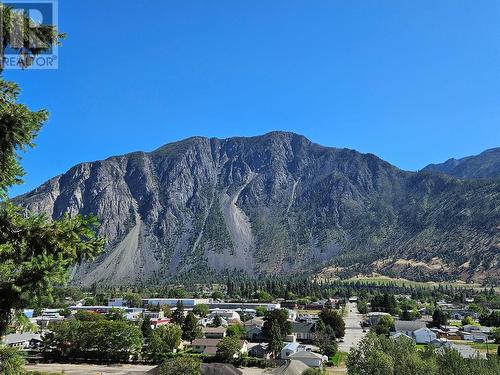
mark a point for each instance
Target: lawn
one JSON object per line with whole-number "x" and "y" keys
{"x": 492, "y": 348}
{"x": 482, "y": 347}
{"x": 339, "y": 358}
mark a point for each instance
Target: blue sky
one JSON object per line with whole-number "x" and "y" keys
{"x": 413, "y": 82}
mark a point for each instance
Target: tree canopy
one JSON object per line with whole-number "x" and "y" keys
{"x": 277, "y": 317}
{"x": 381, "y": 355}
{"x": 181, "y": 366}
{"x": 35, "y": 252}
{"x": 163, "y": 341}
{"x": 332, "y": 318}
{"x": 228, "y": 348}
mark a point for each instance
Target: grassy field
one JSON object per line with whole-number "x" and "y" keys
{"x": 381, "y": 280}
{"x": 482, "y": 347}
{"x": 339, "y": 358}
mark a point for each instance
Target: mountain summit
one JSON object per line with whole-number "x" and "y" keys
{"x": 274, "y": 204}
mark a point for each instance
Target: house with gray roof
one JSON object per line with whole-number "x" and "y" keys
{"x": 303, "y": 330}
{"x": 22, "y": 341}
{"x": 408, "y": 327}
{"x": 310, "y": 358}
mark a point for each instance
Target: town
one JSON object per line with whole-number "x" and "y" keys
{"x": 210, "y": 328}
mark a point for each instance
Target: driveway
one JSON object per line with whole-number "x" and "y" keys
{"x": 353, "y": 331}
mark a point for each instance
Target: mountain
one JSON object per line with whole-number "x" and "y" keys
{"x": 484, "y": 165}
{"x": 274, "y": 204}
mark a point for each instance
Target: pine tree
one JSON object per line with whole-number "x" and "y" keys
{"x": 178, "y": 315}
{"x": 190, "y": 328}
{"x": 217, "y": 322}
{"x": 146, "y": 327}
{"x": 275, "y": 341}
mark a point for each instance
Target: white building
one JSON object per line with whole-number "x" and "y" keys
{"x": 424, "y": 336}
{"x": 309, "y": 358}
{"x": 408, "y": 327}
{"x": 188, "y": 303}
{"x": 116, "y": 302}
{"x": 292, "y": 348}
{"x": 226, "y": 314}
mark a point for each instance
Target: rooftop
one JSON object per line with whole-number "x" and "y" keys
{"x": 403, "y": 325}
{"x": 302, "y": 327}
{"x": 20, "y": 337}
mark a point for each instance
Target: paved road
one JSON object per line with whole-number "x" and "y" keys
{"x": 71, "y": 369}
{"x": 353, "y": 331}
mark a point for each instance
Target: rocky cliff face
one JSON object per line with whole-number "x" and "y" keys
{"x": 272, "y": 204}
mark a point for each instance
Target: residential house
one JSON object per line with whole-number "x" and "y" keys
{"x": 289, "y": 349}
{"x": 374, "y": 317}
{"x": 475, "y": 336}
{"x": 293, "y": 347}
{"x": 304, "y": 331}
{"x": 214, "y": 332}
{"x": 254, "y": 333}
{"x": 408, "y": 327}
{"x": 259, "y": 351}
{"x": 424, "y": 335}
{"x": 254, "y": 322}
{"x": 415, "y": 329}
{"x": 209, "y": 346}
{"x": 309, "y": 358}
{"x": 476, "y": 329}
{"x": 23, "y": 341}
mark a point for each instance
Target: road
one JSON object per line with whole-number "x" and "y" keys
{"x": 71, "y": 369}
{"x": 353, "y": 331}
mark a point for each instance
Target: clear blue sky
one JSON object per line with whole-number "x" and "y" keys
{"x": 413, "y": 82}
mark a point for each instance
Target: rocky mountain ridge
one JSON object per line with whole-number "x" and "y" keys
{"x": 482, "y": 166}
{"x": 273, "y": 204}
